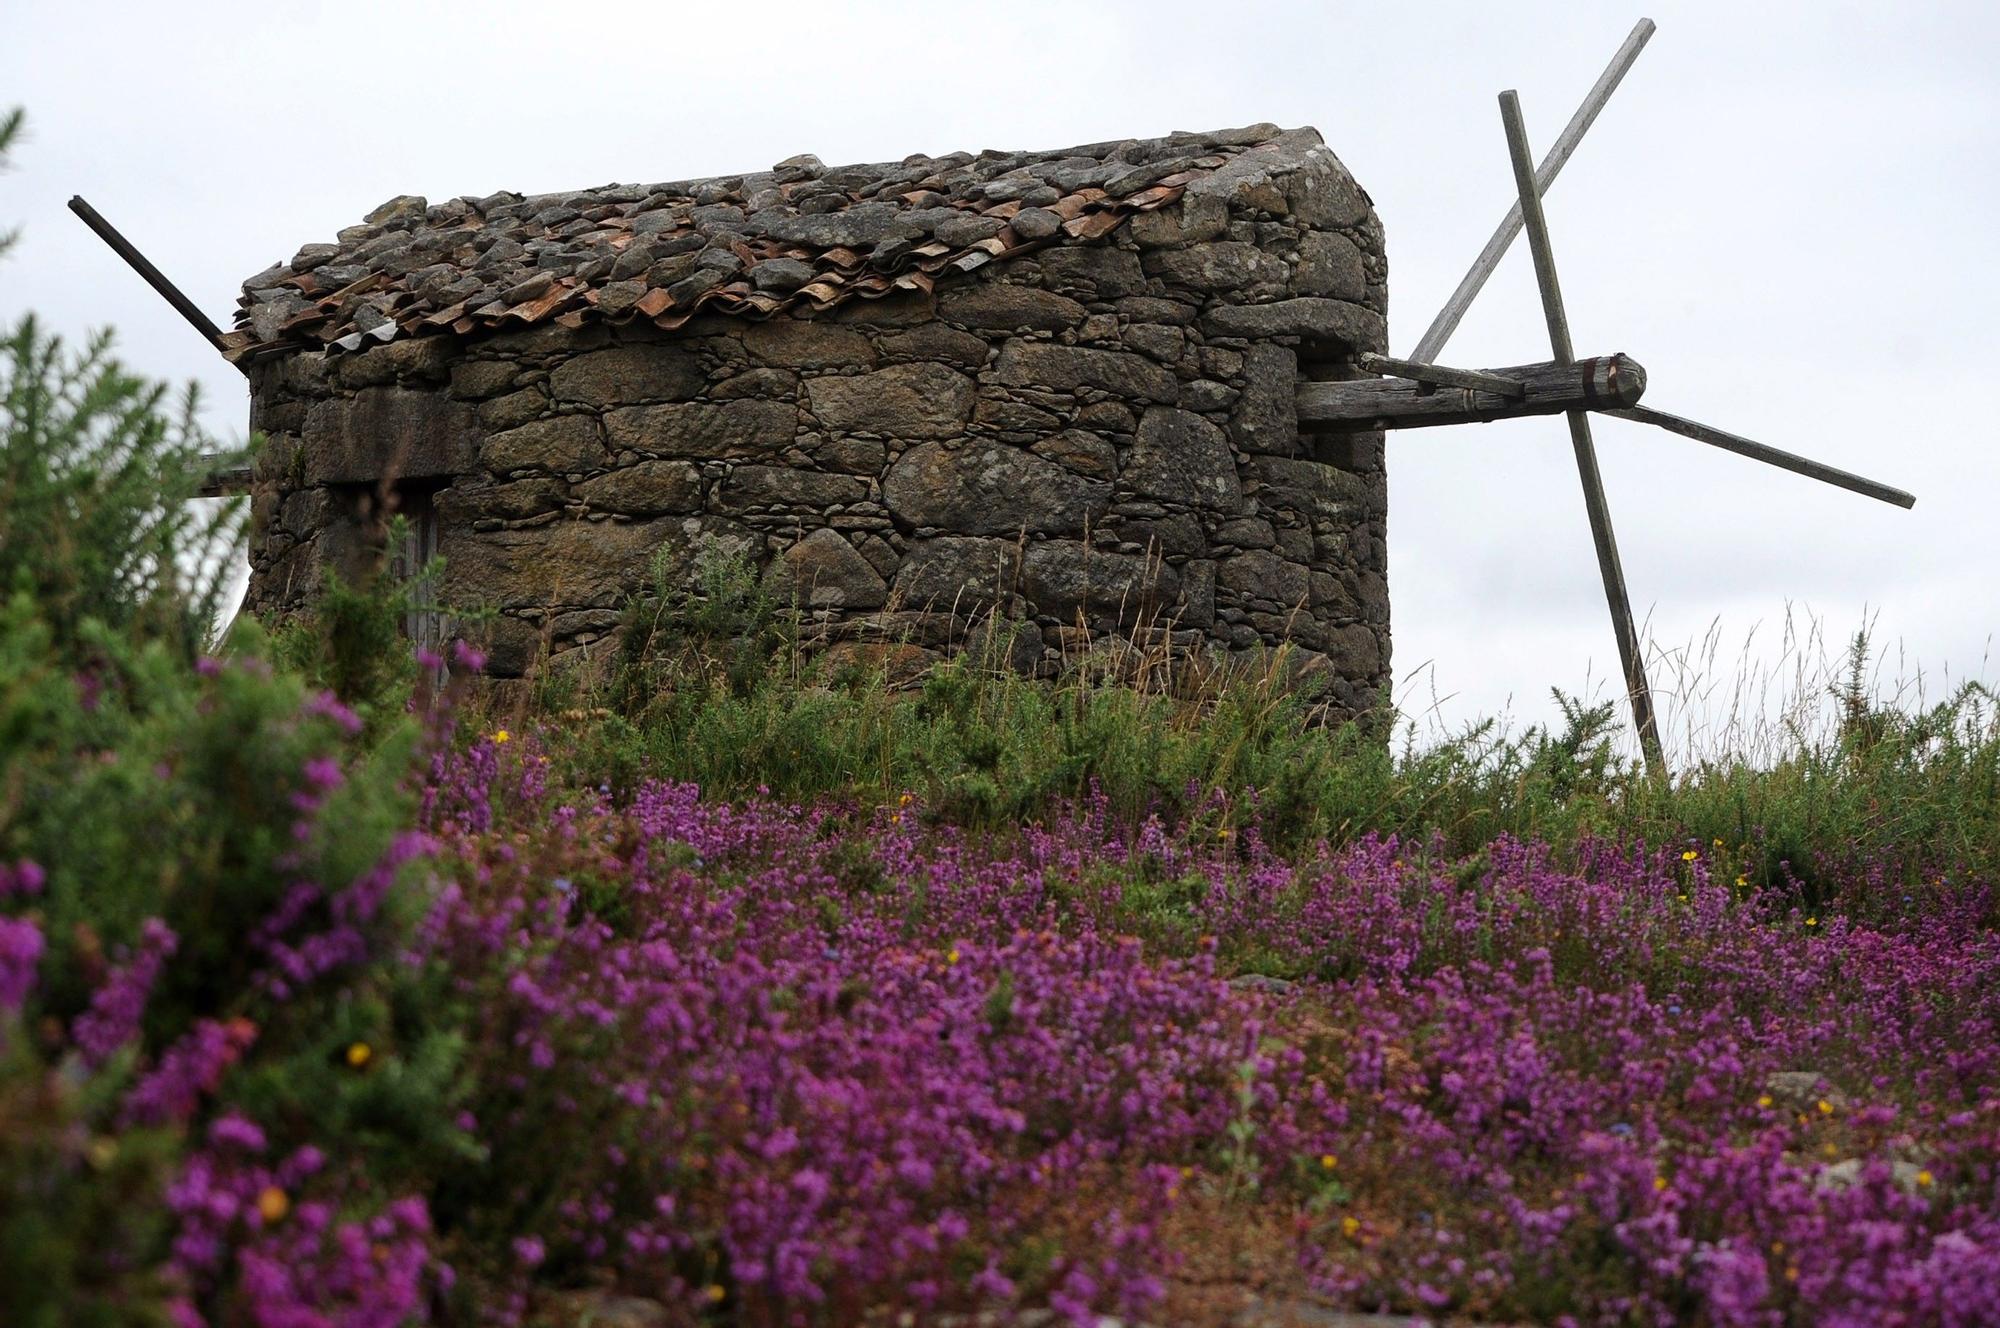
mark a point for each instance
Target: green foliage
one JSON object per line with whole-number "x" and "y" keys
{"x": 79, "y": 1207}
{"x": 989, "y": 749}
{"x": 204, "y": 799}
{"x": 96, "y": 478}
{"x": 723, "y": 629}
{"x": 12, "y": 122}
{"x": 352, "y": 640}
{"x": 151, "y": 792}
{"x": 152, "y": 783}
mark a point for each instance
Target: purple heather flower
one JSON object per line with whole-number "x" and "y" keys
{"x": 20, "y": 953}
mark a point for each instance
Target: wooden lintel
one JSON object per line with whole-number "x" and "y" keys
{"x": 224, "y": 475}
{"x": 1608, "y": 382}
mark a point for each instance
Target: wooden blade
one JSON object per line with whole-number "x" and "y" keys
{"x": 1770, "y": 456}
{"x": 1489, "y": 258}
{"x": 1613, "y": 572}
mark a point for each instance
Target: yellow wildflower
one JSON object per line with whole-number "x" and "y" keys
{"x": 1348, "y": 1226}
{"x": 1742, "y": 881}
{"x": 1764, "y": 1101}
{"x": 715, "y": 1292}
{"x": 1659, "y": 1183}
{"x": 359, "y": 1054}
{"x": 1825, "y": 1107}
{"x": 273, "y": 1204}
{"x": 1222, "y": 833}
{"x": 1925, "y": 1179}
{"x": 951, "y": 955}
{"x": 905, "y": 800}
{"x": 1718, "y": 843}
{"x": 503, "y": 736}
{"x": 1777, "y": 1247}
{"x": 1791, "y": 1272}
{"x": 1326, "y": 1161}
{"x": 1689, "y": 856}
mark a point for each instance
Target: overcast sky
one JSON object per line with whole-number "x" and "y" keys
{"x": 1788, "y": 214}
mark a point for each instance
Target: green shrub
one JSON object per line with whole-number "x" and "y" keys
{"x": 96, "y": 481}
{"x": 222, "y": 827}
{"x": 351, "y": 640}
{"x": 711, "y": 689}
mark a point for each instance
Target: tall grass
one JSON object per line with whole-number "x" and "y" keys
{"x": 1854, "y": 774}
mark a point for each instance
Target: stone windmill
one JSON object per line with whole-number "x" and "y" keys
{"x": 1416, "y": 392}
{"x": 1062, "y": 389}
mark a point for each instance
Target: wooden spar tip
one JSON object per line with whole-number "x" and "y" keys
{"x": 1604, "y": 382}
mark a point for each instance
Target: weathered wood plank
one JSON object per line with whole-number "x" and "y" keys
{"x": 1638, "y": 690}
{"x": 1607, "y": 382}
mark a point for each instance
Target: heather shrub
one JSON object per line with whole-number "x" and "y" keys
{"x": 783, "y": 1064}
{"x": 209, "y": 885}
{"x": 205, "y": 876}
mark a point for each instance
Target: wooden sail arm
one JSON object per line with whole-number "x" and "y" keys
{"x": 152, "y": 276}
{"x": 1608, "y": 382}
{"x": 1770, "y": 456}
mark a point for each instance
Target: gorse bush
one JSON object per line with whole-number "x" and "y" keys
{"x": 96, "y": 478}
{"x": 12, "y": 122}
{"x": 202, "y": 879}
{"x": 202, "y": 884}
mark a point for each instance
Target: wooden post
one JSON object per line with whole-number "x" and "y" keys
{"x": 1489, "y": 258}
{"x": 1613, "y": 573}
{"x": 1406, "y": 403}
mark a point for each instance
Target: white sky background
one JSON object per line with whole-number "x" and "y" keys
{"x": 1788, "y": 213}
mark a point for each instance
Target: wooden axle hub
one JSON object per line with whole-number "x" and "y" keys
{"x": 1607, "y": 382}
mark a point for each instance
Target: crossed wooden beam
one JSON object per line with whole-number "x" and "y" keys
{"x": 1417, "y": 392}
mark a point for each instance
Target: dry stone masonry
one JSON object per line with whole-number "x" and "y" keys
{"x": 1049, "y": 391}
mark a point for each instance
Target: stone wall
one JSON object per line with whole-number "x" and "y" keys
{"x": 1097, "y": 440}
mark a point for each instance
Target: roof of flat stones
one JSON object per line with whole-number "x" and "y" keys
{"x": 799, "y": 238}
